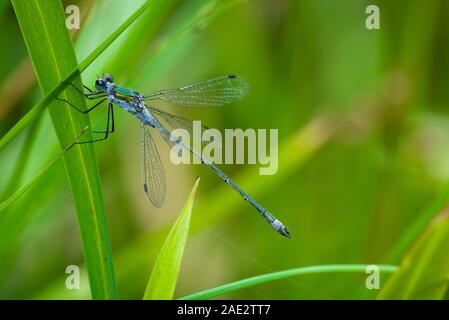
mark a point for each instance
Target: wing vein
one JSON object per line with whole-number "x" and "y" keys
{"x": 216, "y": 92}
{"x": 154, "y": 182}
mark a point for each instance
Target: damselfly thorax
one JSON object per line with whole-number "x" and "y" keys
{"x": 130, "y": 100}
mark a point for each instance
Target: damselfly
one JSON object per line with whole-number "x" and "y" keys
{"x": 216, "y": 92}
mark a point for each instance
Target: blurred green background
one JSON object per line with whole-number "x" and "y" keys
{"x": 363, "y": 141}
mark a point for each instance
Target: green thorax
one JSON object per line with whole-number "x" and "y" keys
{"x": 124, "y": 91}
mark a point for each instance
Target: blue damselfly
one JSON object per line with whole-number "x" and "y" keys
{"x": 215, "y": 92}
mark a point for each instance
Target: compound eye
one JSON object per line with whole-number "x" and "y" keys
{"x": 100, "y": 84}
{"x": 108, "y": 78}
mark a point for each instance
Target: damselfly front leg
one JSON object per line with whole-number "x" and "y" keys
{"x": 89, "y": 95}
{"x": 80, "y": 110}
{"x": 93, "y": 95}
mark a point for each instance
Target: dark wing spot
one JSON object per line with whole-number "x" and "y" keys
{"x": 145, "y": 188}
{"x": 232, "y": 76}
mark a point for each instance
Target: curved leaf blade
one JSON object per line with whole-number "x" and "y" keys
{"x": 249, "y": 282}
{"x": 163, "y": 278}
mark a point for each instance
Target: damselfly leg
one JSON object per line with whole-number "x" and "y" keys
{"x": 93, "y": 95}
{"x": 89, "y": 95}
{"x": 78, "y": 109}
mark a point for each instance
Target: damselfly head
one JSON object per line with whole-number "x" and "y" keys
{"x": 100, "y": 83}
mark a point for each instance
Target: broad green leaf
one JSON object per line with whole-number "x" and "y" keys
{"x": 51, "y": 51}
{"x": 165, "y": 272}
{"x": 424, "y": 271}
{"x": 249, "y": 282}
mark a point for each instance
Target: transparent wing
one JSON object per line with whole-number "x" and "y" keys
{"x": 215, "y": 92}
{"x": 153, "y": 174}
{"x": 175, "y": 121}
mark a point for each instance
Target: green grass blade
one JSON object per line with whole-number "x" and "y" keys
{"x": 163, "y": 278}
{"x": 249, "y": 282}
{"x": 424, "y": 270}
{"x": 68, "y": 77}
{"x": 51, "y": 51}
